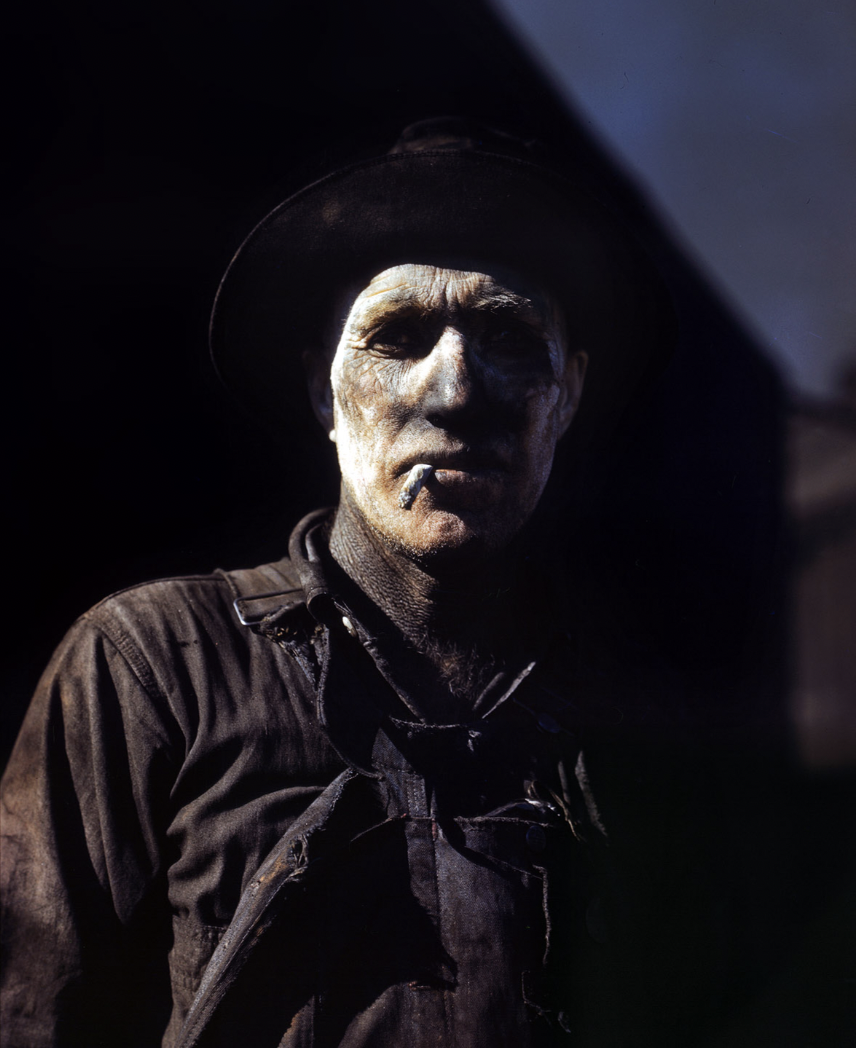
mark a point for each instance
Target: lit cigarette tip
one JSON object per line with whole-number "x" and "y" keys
{"x": 413, "y": 485}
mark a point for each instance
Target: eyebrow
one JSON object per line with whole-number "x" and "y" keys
{"x": 407, "y": 301}
{"x": 508, "y": 304}
{"x": 378, "y": 312}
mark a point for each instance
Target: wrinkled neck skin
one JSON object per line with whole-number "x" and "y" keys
{"x": 441, "y": 602}
{"x": 456, "y": 627}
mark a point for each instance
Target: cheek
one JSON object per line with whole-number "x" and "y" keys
{"x": 540, "y": 435}
{"x": 373, "y": 391}
{"x": 364, "y": 397}
{"x": 358, "y": 390}
{"x": 542, "y": 414}
{"x": 525, "y": 392}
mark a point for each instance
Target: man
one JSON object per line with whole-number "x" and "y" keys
{"x": 407, "y": 785}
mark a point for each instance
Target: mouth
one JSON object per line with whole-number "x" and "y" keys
{"x": 455, "y": 460}
{"x": 459, "y": 470}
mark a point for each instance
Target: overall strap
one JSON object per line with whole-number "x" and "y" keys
{"x": 351, "y": 809}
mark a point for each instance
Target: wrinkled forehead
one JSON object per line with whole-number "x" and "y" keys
{"x": 448, "y": 291}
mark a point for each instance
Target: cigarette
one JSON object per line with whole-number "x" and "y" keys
{"x": 413, "y": 485}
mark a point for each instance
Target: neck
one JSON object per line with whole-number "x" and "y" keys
{"x": 453, "y": 602}
{"x": 457, "y": 628}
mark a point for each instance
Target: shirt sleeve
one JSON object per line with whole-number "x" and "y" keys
{"x": 85, "y": 804}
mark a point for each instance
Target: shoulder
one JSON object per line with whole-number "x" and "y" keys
{"x": 190, "y": 602}
{"x": 181, "y": 634}
{"x": 176, "y": 650}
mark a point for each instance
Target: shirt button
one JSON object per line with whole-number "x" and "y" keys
{"x": 349, "y": 626}
{"x": 536, "y": 838}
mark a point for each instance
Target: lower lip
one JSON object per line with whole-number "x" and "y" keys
{"x": 441, "y": 472}
{"x": 454, "y": 478}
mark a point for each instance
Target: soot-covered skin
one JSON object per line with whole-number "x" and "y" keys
{"x": 467, "y": 371}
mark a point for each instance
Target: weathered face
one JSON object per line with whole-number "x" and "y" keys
{"x": 467, "y": 372}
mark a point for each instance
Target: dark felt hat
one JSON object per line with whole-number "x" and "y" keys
{"x": 448, "y": 193}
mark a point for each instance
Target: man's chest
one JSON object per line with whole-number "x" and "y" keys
{"x": 453, "y": 896}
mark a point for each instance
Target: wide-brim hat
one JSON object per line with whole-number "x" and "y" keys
{"x": 464, "y": 202}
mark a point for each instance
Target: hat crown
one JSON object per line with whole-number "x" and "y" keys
{"x": 460, "y": 134}
{"x": 450, "y": 190}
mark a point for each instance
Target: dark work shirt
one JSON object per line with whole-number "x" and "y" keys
{"x": 515, "y": 879}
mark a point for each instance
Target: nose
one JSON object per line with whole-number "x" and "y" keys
{"x": 453, "y": 385}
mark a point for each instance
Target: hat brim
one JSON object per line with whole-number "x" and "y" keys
{"x": 466, "y": 207}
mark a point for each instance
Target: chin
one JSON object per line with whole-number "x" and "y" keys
{"x": 441, "y": 538}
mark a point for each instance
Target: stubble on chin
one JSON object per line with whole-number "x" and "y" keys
{"x": 436, "y": 538}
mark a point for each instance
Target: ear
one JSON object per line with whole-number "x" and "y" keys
{"x": 575, "y": 373}
{"x": 316, "y": 364}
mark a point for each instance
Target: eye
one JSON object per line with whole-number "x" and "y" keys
{"x": 399, "y": 340}
{"x": 513, "y": 340}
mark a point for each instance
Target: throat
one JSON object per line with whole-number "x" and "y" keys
{"x": 457, "y": 603}
{"x": 443, "y": 638}
{"x": 464, "y": 671}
